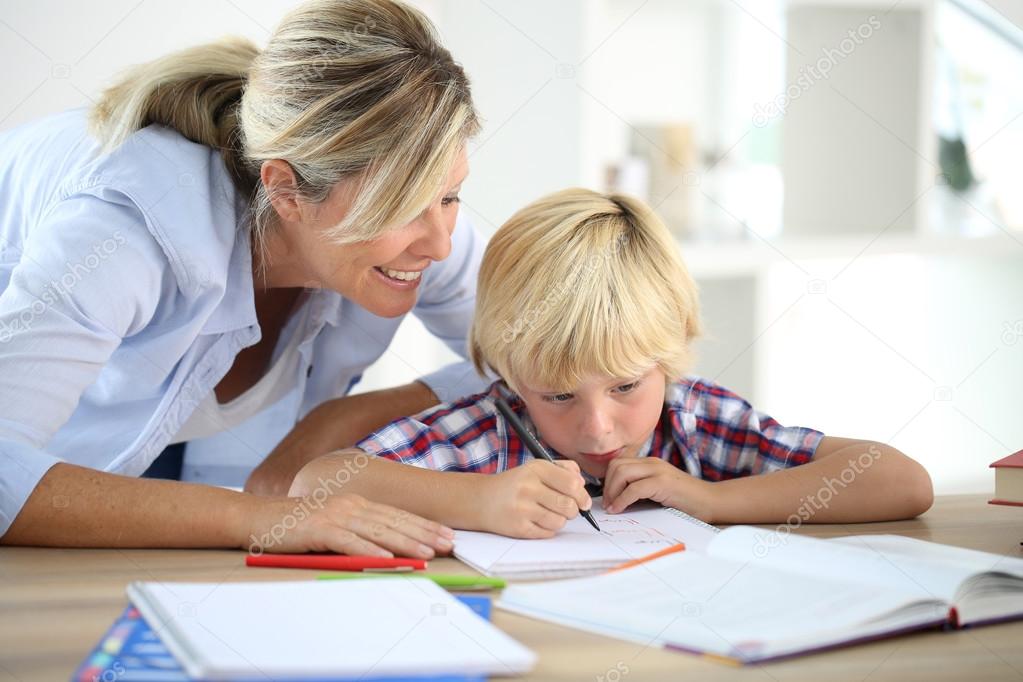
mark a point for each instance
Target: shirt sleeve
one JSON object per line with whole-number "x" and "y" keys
{"x": 461, "y": 436}
{"x": 89, "y": 274}
{"x": 410, "y": 441}
{"x": 446, "y": 307}
{"x": 454, "y": 381}
{"x": 732, "y": 439}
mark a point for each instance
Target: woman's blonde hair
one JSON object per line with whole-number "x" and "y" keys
{"x": 345, "y": 89}
{"x": 580, "y": 283}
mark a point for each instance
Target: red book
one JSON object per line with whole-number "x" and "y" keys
{"x": 1009, "y": 480}
{"x": 335, "y": 562}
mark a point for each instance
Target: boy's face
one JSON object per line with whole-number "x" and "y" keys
{"x": 601, "y": 420}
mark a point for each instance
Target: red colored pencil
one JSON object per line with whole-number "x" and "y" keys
{"x": 335, "y": 562}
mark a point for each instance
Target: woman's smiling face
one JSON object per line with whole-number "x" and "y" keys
{"x": 383, "y": 274}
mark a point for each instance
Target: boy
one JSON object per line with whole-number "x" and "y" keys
{"x": 586, "y": 311}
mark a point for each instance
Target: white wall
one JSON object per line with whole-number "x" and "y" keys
{"x": 922, "y": 352}
{"x": 558, "y": 85}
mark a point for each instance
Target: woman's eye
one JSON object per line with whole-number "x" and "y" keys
{"x": 447, "y": 201}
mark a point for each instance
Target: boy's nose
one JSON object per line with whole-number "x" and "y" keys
{"x": 597, "y": 424}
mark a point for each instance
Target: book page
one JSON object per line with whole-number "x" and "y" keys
{"x": 707, "y": 603}
{"x": 936, "y": 567}
{"x": 907, "y": 568}
{"x": 981, "y": 585}
{"x": 901, "y": 548}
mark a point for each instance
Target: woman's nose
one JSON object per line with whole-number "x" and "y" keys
{"x": 434, "y": 241}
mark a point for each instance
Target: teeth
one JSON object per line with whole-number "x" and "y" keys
{"x": 401, "y": 274}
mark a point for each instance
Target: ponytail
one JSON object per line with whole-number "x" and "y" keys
{"x": 195, "y": 91}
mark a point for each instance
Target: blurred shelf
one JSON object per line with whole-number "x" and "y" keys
{"x": 747, "y": 258}
{"x": 883, "y": 5}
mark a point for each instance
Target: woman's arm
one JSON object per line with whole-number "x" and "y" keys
{"x": 449, "y": 497}
{"x": 334, "y": 425}
{"x": 75, "y": 506}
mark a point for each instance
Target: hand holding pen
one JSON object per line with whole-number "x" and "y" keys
{"x": 550, "y": 478}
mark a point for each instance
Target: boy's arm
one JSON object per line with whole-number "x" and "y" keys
{"x": 847, "y": 481}
{"x": 529, "y": 501}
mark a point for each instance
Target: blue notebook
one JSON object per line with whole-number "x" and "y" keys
{"x": 131, "y": 652}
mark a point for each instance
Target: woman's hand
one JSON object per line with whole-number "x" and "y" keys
{"x": 651, "y": 478}
{"x": 343, "y": 523}
{"x": 533, "y": 500}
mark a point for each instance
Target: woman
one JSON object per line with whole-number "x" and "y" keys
{"x": 228, "y": 228}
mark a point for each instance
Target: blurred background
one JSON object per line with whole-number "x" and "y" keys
{"x": 843, "y": 178}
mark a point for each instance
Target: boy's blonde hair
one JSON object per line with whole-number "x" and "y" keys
{"x": 580, "y": 283}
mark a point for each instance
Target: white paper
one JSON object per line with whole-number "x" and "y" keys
{"x": 579, "y": 549}
{"x": 343, "y": 628}
{"x": 704, "y": 603}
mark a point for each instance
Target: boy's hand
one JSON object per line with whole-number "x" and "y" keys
{"x": 652, "y": 478}
{"x": 533, "y": 500}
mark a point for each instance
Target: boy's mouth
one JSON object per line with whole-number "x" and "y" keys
{"x": 602, "y": 457}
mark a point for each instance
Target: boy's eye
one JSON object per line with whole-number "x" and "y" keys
{"x": 626, "y": 388}
{"x": 558, "y": 397}
{"x": 447, "y": 201}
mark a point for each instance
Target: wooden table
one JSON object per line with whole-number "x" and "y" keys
{"x": 55, "y": 604}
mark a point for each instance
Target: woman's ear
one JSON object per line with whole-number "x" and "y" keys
{"x": 282, "y": 187}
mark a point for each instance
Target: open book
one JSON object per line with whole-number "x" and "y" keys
{"x": 578, "y": 549}
{"x": 755, "y": 595}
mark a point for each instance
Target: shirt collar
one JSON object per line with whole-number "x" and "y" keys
{"x": 332, "y": 303}
{"x": 237, "y": 307}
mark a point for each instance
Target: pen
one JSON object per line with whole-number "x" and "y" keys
{"x": 458, "y": 582}
{"x": 533, "y": 445}
{"x": 335, "y": 562}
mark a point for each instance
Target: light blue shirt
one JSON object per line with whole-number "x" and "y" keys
{"x": 126, "y": 292}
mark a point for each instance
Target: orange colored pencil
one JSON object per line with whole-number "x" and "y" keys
{"x": 680, "y": 547}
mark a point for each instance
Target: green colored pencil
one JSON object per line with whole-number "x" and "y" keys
{"x": 456, "y": 582}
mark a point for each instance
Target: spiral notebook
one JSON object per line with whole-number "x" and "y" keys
{"x": 131, "y": 651}
{"x": 324, "y": 629}
{"x": 578, "y": 549}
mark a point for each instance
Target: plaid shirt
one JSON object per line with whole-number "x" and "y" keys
{"x": 704, "y": 429}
